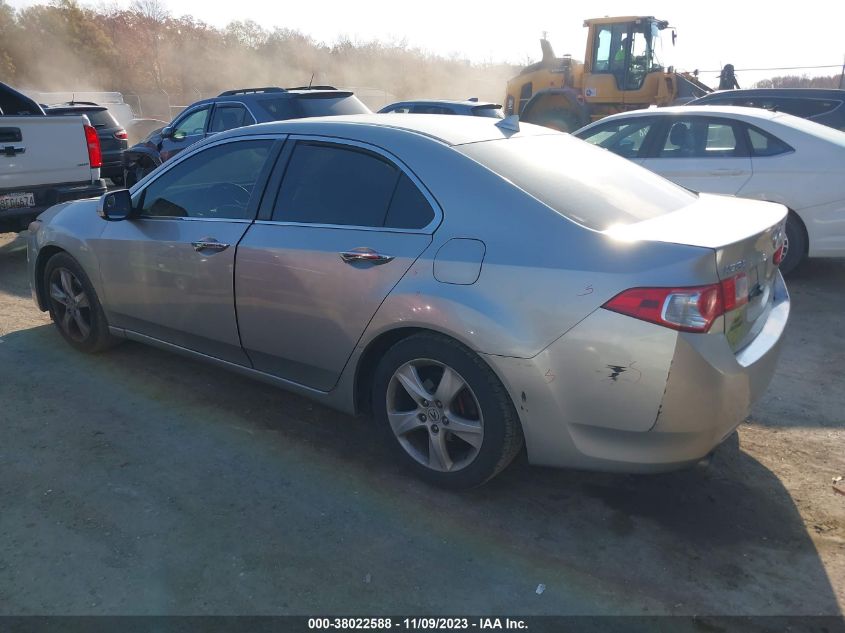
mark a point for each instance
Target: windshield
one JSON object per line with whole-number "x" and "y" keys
{"x": 657, "y": 54}
{"x": 587, "y": 184}
{"x": 99, "y": 118}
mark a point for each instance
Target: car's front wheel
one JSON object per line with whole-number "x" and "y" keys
{"x": 446, "y": 413}
{"x": 74, "y": 305}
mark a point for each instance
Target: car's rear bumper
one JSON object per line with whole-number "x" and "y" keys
{"x": 619, "y": 394}
{"x": 46, "y": 197}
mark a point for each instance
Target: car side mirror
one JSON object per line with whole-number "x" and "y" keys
{"x": 115, "y": 205}
{"x": 166, "y": 132}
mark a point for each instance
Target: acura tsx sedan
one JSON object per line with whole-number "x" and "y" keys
{"x": 474, "y": 287}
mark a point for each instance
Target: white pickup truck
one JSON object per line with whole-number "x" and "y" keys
{"x": 44, "y": 160}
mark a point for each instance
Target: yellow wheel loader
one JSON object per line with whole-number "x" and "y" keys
{"x": 622, "y": 70}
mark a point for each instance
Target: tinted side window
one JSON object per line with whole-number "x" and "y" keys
{"x": 805, "y": 108}
{"x": 228, "y": 117}
{"x": 696, "y": 137}
{"x": 764, "y": 144}
{"x": 214, "y": 183}
{"x": 279, "y": 108}
{"x": 408, "y": 209}
{"x": 192, "y": 124}
{"x": 432, "y": 109}
{"x": 334, "y": 184}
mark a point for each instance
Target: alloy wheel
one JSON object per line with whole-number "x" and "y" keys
{"x": 71, "y": 306}
{"x": 434, "y": 415}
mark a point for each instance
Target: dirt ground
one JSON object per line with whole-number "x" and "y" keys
{"x": 138, "y": 482}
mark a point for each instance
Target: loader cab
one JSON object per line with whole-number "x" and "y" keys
{"x": 621, "y": 53}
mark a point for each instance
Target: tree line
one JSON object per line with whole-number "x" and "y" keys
{"x": 144, "y": 50}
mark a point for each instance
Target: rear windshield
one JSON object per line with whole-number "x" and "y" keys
{"x": 587, "y": 184}
{"x": 318, "y": 105}
{"x": 492, "y": 111}
{"x": 280, "y": 108}
{"x": 98, "y": 118}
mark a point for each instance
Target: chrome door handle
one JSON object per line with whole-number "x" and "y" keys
{"x": 366, "y": 255}
{"x": 209, "y": 244}
{"x": 11, "y": 150}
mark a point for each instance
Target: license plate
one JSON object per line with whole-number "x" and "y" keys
{"x": 16, "y": 201}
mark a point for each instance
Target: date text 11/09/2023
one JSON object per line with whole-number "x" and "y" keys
{"x": 421, "y": 624}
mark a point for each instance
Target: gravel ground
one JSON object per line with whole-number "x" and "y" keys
{"x": 138, "y": 482}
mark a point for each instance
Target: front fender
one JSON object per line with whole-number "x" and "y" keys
{"x": 71, "y": 227}
{"x": 138, "y": 153}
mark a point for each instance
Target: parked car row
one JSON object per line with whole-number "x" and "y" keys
{"x": 234, "y": 109}
{"x": 479, "y": 286}
{"x": 113, "y": 137}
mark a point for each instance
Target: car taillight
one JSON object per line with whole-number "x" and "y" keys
{"x": 95, "y": 155}
{"x": 692, "y": 309}
{"x": 121, "y": 135}
{"x": 777, "y": 258}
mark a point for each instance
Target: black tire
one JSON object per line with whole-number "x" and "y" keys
{"x": 97, "y": 337}
{"x": 502, "y": 433}
{"x": 796, "y": 244}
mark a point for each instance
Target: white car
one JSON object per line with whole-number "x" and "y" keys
{"x": 746, "y": 152}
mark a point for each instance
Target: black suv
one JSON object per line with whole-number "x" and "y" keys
{"x": 113, "y": 138}
{"x": 825, "y": 106}
{"x": 231, "y": 109}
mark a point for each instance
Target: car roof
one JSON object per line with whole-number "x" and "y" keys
{"x": 699, "y": 110}
{"x": 75, "y": 107}
{"x": 447, "y": 130}
{"x": 464, "y": 102}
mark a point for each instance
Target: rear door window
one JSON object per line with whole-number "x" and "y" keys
{"x": 335, "y": 184}
{"x": 699, "y": 137}
{"x": 229, "y": 117}
{"x": 408, "y": 208}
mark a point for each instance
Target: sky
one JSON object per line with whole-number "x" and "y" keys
{"x": 749, "y": 35}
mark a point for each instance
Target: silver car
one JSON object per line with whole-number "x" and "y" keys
{"x": 474, "y": 287}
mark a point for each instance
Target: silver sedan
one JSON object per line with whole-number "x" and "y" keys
{"x": 476, "y": 288}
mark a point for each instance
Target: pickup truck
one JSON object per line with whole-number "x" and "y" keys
{"x": 43, "y": 160}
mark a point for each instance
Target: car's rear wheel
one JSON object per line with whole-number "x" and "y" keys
{"x": 74, "y": 305}
{"x": 794, "y": 246}
{"x": 445, "y": 411}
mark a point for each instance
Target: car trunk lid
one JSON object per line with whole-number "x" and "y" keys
{"x": 745, "y": 236}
